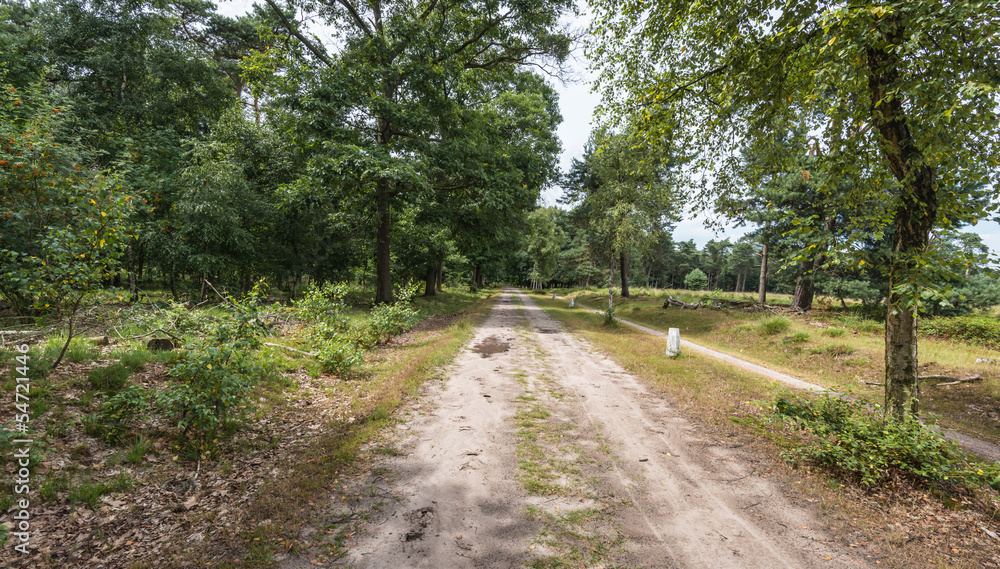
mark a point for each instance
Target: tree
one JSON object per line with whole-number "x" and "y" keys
{"x": 627, "y": 193}
{"x": 903, "y": 92}
{"x": 544, "y": 245}
{"x": 65, "y": 224}
{"x": 696, "y": 280}
{"x": 376, "y": 105}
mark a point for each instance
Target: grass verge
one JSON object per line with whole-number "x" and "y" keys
{"x": 841, "y": 352}
{"x": 898, "y": 522}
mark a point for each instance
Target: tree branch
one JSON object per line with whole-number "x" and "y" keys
{"x": 299, "y": 35}
{"x": 358, "y": 20}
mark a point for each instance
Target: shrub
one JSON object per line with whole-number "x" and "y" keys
{"x": 773, "y": 325}
{"x": 110, "y": 379}
{"x": 211, "y": 380}
{"x": 340, "y": 356}
{"x": 341, "y": 345}
{"x": 119, "y": 414}
{"x": 979, "y": 330}
{"x": 135, "y": 360}
{"x": 387, "y": 320}
{"x": 696, "y": 280}
{"x": 857, "y": 443}
{"x": 211, "y": 384}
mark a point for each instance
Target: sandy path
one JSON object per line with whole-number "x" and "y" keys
{"x": 617, "y": 478}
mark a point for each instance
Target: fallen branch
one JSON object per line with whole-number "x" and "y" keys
{"x": 675, "y": 302}
{"x": 290, "y": 349}
{"x": 953, "y": 380}
{"x": 950, "y": 378}
{"x": 224, "y": 299}
{"x": 959, "y": 380}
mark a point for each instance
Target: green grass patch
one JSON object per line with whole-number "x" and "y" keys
{"x": 134, "y": 360}
{"x": 796, "y": 338}
{"x": 89, "y": 492}
{"x": 773, "y": 326}
{"x": 110, "y": 379}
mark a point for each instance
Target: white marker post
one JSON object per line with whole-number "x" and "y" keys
{"x": 673, "y": 342}
{"x": 572, "y": 302}
{"x": 553, "y": 296}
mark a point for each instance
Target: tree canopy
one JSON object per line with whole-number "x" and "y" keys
{"x": 901, "y": 96}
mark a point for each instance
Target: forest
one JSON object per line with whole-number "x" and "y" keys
{"x": 210, "y": 220}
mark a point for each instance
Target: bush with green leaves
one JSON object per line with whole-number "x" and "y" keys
{"x": 389, "y": 319}
{"x": 696, "y": 280}
{"x": 341, "y": 344}
{"x": 862, "y": 445}
{"x": 324, "y": 308}
{"x": 979, "y": 330}
{"x": 324, "y": 305}
{"x": 210, "y": 388}
{"x": 119, "y": 413}
{"x": 213, "y": 378}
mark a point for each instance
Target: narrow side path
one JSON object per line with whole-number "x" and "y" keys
{"x": 980, "y": 447}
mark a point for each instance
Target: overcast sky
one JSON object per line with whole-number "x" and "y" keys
{"x": 577, "y": 103}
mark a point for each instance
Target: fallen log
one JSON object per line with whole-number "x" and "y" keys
{"x": 745, "y": 305}
{"x": 951, "y": 380}
{"x": 671, "y": 300}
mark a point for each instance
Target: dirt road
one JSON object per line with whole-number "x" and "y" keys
{"x": 536, "y": 450}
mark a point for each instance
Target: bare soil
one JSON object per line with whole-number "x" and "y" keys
{"x": 548, "y": 454}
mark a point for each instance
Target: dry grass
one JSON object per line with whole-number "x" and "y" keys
{"x": 839, "y": 352}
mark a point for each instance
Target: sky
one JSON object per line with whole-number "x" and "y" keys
{"x": 577, "y": 102}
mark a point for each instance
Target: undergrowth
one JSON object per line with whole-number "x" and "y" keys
{"x": 861, "y": 445}
{"x": 979, "y": 330}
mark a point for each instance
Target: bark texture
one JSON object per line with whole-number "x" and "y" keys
{"x": 914, "y": 217}
{"x": 624, "y": 272}
{"x": 762, "y": 289}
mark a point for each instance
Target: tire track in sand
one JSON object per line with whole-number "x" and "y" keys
{"x": 663, "y": 496}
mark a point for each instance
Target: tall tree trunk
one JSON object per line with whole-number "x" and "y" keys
{"x": 480, "y": 282}
{"x": 624, "y": 272}
{"x": 914, "y": 217}
{"x": 440, "y": 276}
{"x": 611, "y": 297}
{"x": 383, "y": 274}
{"x": 762, "y": 289}
{"x": 804, "y": 291}
{"x": 431, "y": 279}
